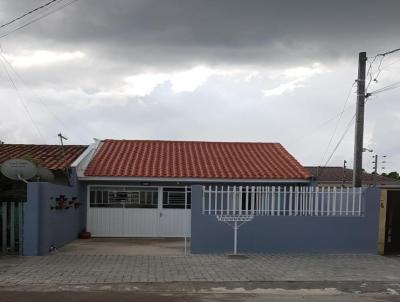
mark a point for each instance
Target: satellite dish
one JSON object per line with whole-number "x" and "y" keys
{"x": 44, "y": 174}
{"x": 18, "y": 169}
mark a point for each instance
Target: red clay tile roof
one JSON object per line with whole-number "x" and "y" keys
{"x": 189, "y": 159}
{"x": 50, "y": 156}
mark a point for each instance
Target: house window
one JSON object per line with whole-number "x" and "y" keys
{"x": 174, "y": 198}
{"x": 123, "y": 197}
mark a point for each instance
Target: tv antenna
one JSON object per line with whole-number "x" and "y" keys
{"x": 62, "y": 138}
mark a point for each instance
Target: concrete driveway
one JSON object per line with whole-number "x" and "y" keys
{"x": 126, "y": 247}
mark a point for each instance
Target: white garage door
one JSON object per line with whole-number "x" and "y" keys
{"x": 116, "y": 211}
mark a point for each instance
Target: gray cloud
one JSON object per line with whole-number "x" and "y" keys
{"x": 183, "y": 32}
{"x": 124, "y": 38}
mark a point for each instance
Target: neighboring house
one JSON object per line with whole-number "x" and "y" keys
{"x": 53, "y": 157}
{"x": 141, "y": 188}
{"x": 338, "y": 176}
{"x": 27, "y": 210}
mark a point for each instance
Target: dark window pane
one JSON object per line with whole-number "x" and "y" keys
{"x": 99, "y": 197}
{"x": 92, "y": 196}
{"x": 105, "y": 196}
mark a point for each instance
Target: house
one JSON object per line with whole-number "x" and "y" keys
{"x": 53, "y": 163}
{"x": 201, "y": 190}
{"x": 339, "y": 176}
{"x": 52, "y": 157}
{"x": 142, "y": 188}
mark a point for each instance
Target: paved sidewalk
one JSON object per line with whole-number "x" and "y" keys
{"x": 90, "y": 269}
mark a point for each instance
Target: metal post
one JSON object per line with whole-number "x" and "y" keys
{"x": 235, "y": 228}
{"x": 4, "y": 227}
{"x": 12, "y": 227}
{"x": 185, "y": 224}
{"x": 359, "y": 126}
{"x": 344, "y": 173}
{"x": 20, "y": 228}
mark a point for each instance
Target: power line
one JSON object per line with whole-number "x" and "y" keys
{"x": 379, "y": 69}
{"x": 386, "y": 88}
{"x": 22, "y": 101}
{"x": 28, "y": 13}
{"x": 388, "y": 52}
{"x": 337, "y": 124}
{"x": 341, "y": 139}
{"x": 318, "y": 127}
{"x": 56, "y": 118}
{"x": 38, "y": 18}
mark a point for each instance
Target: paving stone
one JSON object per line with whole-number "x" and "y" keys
{"x": 76, "y": 269}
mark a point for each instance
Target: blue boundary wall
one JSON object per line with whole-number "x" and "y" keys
{"x": 44, "y": 225}
{"x": 288, "y": 234}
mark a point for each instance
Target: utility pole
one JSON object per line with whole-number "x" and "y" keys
{"x": 375, "y": 168}
{"x": 344, "y": 173}
{"x": 359, "y": 126}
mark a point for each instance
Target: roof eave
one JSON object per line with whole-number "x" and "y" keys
{"x": 191, "y": 179}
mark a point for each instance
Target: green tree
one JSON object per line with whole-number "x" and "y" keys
{"x": 394, "y": 175}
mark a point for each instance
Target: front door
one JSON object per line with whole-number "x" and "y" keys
{"x": 392, "y": 229}
{"x": 174, "y": 212}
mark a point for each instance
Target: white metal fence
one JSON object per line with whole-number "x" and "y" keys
{"x": 283, "y": 201}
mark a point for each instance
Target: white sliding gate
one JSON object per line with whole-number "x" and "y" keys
{"x": 116, "y": 211}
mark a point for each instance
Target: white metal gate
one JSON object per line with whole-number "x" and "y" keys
{"x": 116, "y": 211}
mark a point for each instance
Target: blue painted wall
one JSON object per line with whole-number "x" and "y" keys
{"x": 288, "y": 234}
{"x": 43, "y": 226}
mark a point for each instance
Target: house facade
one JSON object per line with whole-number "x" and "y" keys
{"x": 201, "y": 190}
{"x": 136, "y": 188}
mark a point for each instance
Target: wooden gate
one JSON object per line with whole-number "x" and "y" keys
{"x": 11, "y": 227}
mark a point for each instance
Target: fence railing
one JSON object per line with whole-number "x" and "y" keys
{"x": 282, "y": 201}
{"x": 11, "y": 227}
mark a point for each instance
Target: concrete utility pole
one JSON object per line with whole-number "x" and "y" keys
{"x": 359, "y": 127}
{"x": 375, "y": 168}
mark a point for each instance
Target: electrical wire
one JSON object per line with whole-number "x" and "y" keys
{"x": 341, "y": 139}
{"x": 38, "y": 18}
{"x": 31, "y": 17}
{"x": 388, "y": 52}
{"x": 28, "y": 13}
{"x": 56, "y": 118}
{"x": 20, "y": 98}
{"x": 337, "y": 124}
{"x": 392, "y": 86}
{"x": 372, "y": 77}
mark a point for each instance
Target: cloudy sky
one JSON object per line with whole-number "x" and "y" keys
{"x": 271, "y": 71}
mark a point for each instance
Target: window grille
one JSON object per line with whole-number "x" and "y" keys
{"x": 124, "y": 197}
